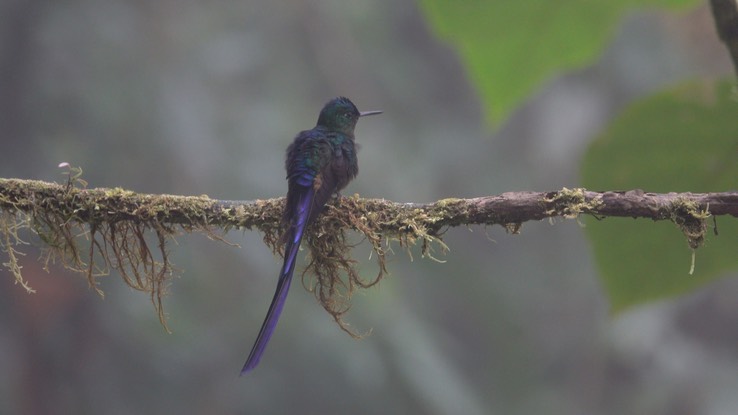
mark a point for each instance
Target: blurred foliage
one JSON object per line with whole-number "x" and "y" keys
{"x": 511, "y": 47}
{"x": 682, "y": 139}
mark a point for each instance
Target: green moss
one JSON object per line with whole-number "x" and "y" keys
{"x": 570, "y": 203}
{"x": 688, "y": 216}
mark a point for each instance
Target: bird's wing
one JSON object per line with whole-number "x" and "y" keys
{"x": 309, "y": 161}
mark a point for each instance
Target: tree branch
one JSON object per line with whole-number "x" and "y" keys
{"x": 117, "y": 225}
{"x": 116, "y": 205}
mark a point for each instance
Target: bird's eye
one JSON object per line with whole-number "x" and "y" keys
{"x": 346, "y": 115}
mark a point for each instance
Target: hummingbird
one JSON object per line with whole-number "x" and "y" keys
{"x": 319, "y": 163}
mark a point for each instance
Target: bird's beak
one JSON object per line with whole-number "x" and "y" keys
{"x": 365, "y": 113}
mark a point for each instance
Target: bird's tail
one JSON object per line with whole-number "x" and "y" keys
{"x": 292, "y": 246}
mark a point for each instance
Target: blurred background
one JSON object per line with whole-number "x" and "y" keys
{"x": 203, "y": 98}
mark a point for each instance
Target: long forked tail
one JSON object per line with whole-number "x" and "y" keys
{"x": 292, "y": 246}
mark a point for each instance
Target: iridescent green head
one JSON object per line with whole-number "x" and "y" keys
{"x": 340, "y": 114}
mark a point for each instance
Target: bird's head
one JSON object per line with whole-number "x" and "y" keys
{"x": 340, "y": 114}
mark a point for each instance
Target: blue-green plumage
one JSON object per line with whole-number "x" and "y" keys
{"x": 320, "y": 162}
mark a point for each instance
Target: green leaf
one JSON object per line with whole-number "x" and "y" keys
{"x": 683, "y": 139}
{"x": 510, "y": 47}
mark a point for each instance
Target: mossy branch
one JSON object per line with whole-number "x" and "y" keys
{"x": 129, "y": 232}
